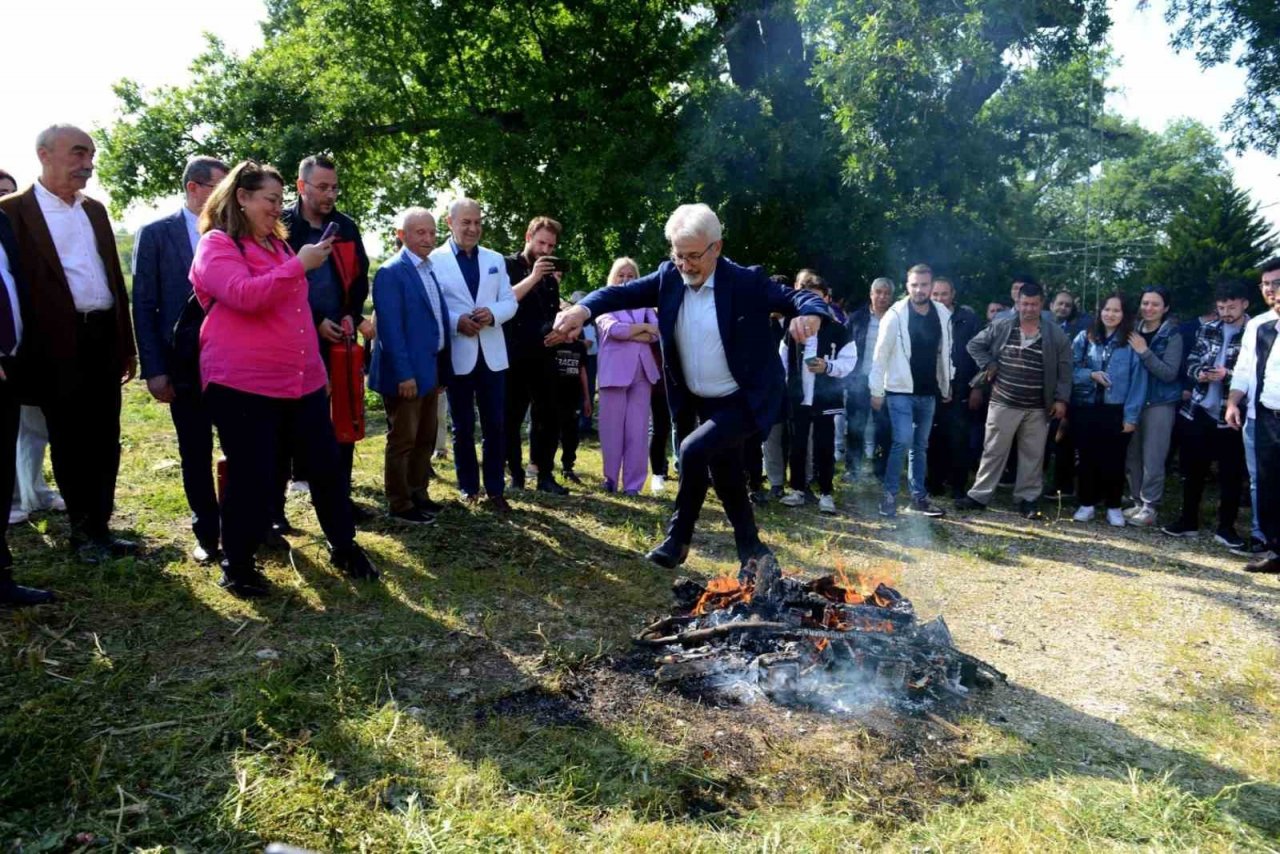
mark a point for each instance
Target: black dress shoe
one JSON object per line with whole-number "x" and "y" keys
{"x": 354, "y": 562}
{"x": 668, "y": 554}
{"x": 246, "y": 582}
{"x": 23, "y": 597}
{"x": 969, "y": 504}
{"x": 572, "y": 476}
{"x": 1030, "y": 510}
{"x": 426, "y": 505}
{"x": 1267, "y": 566}
{"x": 759, "y": 498}
{"x": 498, "y": 504}
{"x": 360, "y": 514}
{"x": 547, "y": 484}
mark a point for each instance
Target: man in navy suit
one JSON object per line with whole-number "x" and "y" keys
{"x": 13, "y": 292}
{"x": 162, "y": 257}
{"x": 410, "y": 364}
{"x": 713, "y": 323}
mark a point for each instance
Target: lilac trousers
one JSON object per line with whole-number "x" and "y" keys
{"x": 624, "y": 432}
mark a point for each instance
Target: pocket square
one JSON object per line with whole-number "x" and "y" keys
{"x": 492, "y": 270}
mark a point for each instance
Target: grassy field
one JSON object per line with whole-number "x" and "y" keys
{"x": 486, "y": 696}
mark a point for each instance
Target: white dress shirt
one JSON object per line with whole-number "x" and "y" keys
{"x": 432, "y": 289}
{"x": 839, "y": 365}
{"x": 702, "y": 358}
{"x": 11, "y": 288}
{"x": 72, "y": 235}
{"x": 192, "y": 221}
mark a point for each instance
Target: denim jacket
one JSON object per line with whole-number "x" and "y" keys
{"x": 1129, "y": 382}
{"x": 1163, "y": 361}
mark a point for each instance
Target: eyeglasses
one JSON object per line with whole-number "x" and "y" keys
{"x": 325, "y": 188}
{"x": 691, "y": 257}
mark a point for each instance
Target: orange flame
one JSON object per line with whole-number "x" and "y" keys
{"x": 721, "y": 593}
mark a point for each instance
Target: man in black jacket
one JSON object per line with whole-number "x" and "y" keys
{"x": 863, "y": 326}
{"x": 950, "y": 444}
{"x": 337, "y": 288}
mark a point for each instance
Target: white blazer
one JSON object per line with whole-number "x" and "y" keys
{"x": 494, "y": 294}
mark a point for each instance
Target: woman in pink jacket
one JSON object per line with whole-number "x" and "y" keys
{"x": 264, "y": 383}
{"x": 625, "y": 375}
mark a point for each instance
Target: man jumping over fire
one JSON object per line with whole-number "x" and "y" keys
{"x": 719, "y": 364}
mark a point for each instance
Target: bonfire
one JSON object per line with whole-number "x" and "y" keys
{"x": 834, "y": 643}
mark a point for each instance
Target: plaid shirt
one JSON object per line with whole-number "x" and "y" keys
{"x": 1203, "y": 357}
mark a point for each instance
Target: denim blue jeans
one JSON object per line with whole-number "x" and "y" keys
{"x": 1251, "y": 460}
{"x": 911, "y": 419}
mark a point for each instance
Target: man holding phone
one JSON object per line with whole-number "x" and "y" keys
{"x": 338, "y": 288}
{"x": 532, "y": 378}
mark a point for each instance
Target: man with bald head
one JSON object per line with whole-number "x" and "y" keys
{"x": 410, "y": 364}
{"x": 479, "y": 299}
{"x": 78, "y": 339}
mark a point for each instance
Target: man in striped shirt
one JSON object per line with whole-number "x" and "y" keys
{"x": 1028, "y": 363}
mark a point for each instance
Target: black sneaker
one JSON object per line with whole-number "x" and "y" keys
{"x": 548, "y": 485}
{"x": 413, "y": 516}
{"x": 1181, "y": 528}
{"x": 354, "y": 562}
{"x": 925, "y": 507}
{"x": 970, "y": 505}
{"x": 1030, "y": 510}
{"x": 1255, "y": 546}
{"x": 244, "y": 582}
{"x": 759, "y": 497}
{"x": 1229, "y": 538}
{"x": 426, "y": 505}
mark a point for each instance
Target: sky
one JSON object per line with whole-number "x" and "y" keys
{"x": 114, "y": 39}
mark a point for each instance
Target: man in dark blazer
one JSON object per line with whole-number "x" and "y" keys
{"x": 162, "y": 256}
{"x": 79, "y": 341}
{"x": 13, "y": 294}
{"x": 410, "y": 364}
{"x": 713, "y": 324}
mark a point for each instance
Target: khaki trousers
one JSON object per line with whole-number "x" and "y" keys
{"x": 1005, "y": 425}
{"x": 411, "y": 440}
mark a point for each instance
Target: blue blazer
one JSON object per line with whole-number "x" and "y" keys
{"x": 405, "y": 346}
{"x": 161, "y": 266}
{"x": 745, "y": 297}
{"x": 10, "y": 243}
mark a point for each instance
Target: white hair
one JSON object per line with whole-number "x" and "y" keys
{"x": 690, "y": 221}
{"x": 458, "y": 204}
{"x": 47, "y": 136}
{"x": 408, "y": 214}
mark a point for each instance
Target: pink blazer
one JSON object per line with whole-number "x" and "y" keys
{"x": 618, "y": 357}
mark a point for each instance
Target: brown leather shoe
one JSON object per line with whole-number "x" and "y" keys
{"x": 1268, "y": 566}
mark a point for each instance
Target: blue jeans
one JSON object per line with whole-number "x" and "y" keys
{"x": 1251, "y": 460}
{"x": 911, "y": 419}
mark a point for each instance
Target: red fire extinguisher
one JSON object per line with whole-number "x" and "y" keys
{"x": 346, "y": 378}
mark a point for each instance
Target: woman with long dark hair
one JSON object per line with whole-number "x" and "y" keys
{"x": 1108, "y": 390}
{"x": 1156, "y": 340}
{"x": 263, "y": 378}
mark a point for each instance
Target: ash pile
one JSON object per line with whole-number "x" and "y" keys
{"x": 818, "y": 644}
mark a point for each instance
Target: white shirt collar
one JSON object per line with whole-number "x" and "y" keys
{"x": 47, "y": 197}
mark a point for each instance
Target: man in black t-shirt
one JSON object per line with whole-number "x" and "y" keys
{"x": 572, "y": 396}
{"x": 531, "y": 383}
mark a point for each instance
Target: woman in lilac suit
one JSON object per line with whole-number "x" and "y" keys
{"x": 626, "y": 373}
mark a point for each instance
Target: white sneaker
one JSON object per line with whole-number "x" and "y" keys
{"x": 826, "y": 504}
{"x": 657, "y": 484}
{"x": 57, "y": 504}
{"x": 1115, "y": 518}
{"x": 1130, "y": 512}
{"x": 793, "y": 498}
{"x": 17, "y": 515}
{"x": 1144, "y": 518}
{"x": 299, "y": 486}
{"x": 1084, "y": 514}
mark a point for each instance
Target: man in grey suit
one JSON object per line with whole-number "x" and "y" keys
{"x": 162, "y": 257}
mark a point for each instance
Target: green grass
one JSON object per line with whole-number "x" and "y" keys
{"x": 471, "y": 702}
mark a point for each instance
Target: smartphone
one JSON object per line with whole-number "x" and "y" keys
{"x": 812, "y": 360}
{"x": 330, "y": 230}
{"x": 559, "y": 265}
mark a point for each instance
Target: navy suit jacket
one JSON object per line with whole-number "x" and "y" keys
{"x": 10, "y": 243}
{"x": 161, "y": 284}
{"x": 405, "y": 346}
{"x": 745, "y": 297}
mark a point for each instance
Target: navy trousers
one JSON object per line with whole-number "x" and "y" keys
{"x": 482, "y": 389}
{"x": 713, "y": 452}
{"x": 194, "y": 426}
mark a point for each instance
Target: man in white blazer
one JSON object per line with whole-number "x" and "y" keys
{"x": 478, "y": 294}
